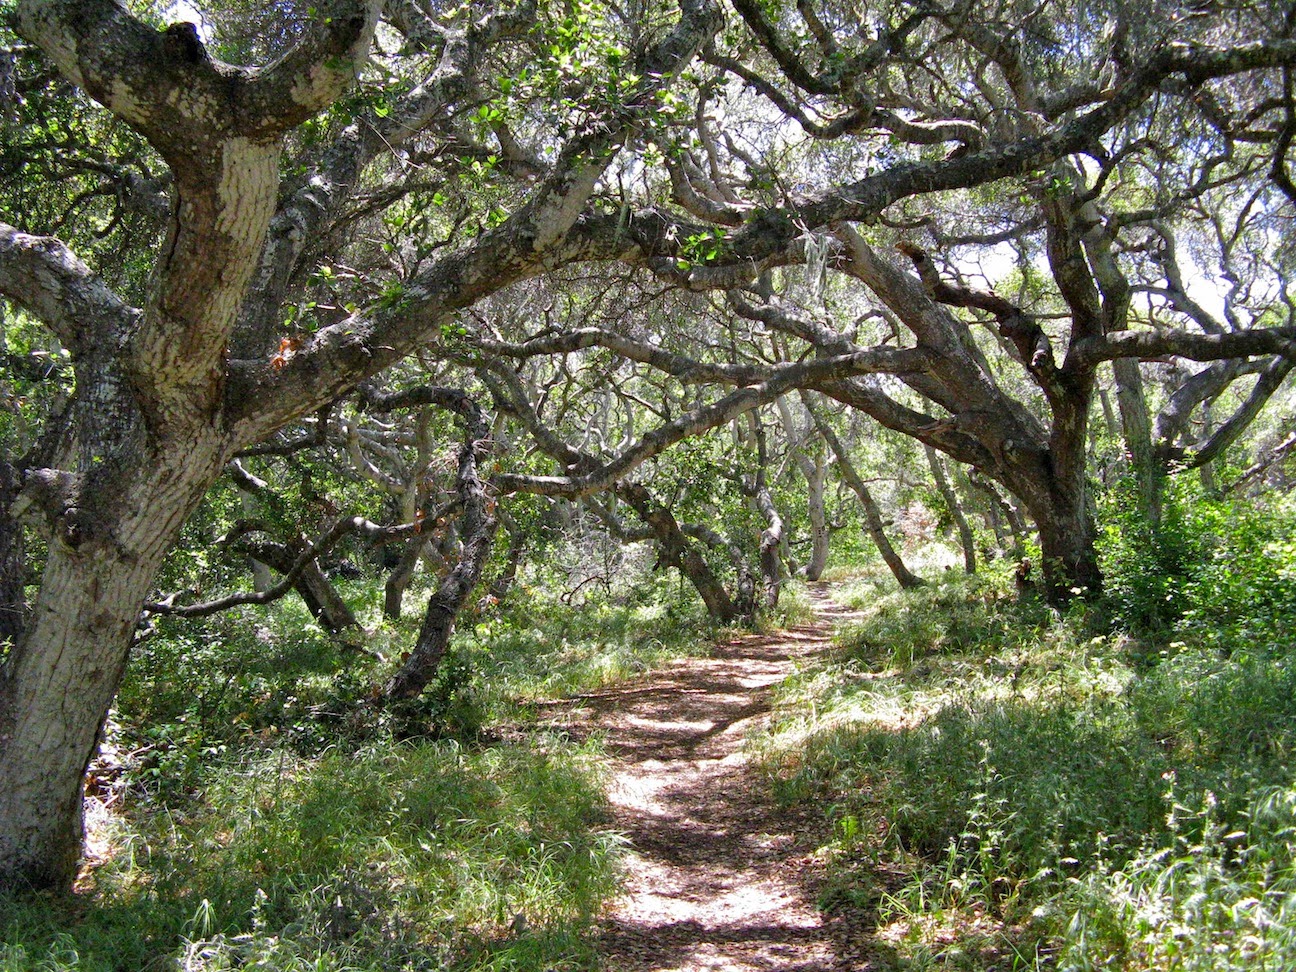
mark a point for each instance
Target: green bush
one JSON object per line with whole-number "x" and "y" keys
{"x": 1219, "y": 569}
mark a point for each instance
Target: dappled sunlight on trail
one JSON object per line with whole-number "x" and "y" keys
{"x": 719, "y": 877}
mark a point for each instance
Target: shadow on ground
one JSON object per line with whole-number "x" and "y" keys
{"x": 720, "y": 877}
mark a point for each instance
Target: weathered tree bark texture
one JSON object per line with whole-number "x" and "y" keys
{"x": 166, "y": 393}
{"x": 1043, "y": 467}
{"x": 478, "y": 524}
{"x": 145, "y": 435}
{"x": 102, "y": 560}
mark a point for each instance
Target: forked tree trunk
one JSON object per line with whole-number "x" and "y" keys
{"x": 478, "y": 526}
{"x": 443, "y": 608}
{"x": 744, "y": 585}
{"x": 147, "y": 431}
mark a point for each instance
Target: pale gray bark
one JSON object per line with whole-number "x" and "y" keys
{"x": 772, "y": 536}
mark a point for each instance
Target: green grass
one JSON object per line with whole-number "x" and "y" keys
{"x": 1010, "y": 788}
{"x": 254, "y": 811}
{"x": 397, "y": 856}
{"x": 264, "y": 816}
{"x": 542, "y": 648}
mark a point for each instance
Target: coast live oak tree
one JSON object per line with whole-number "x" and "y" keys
{"x": 168, "y": 392}
{"x": 328, "y": 214}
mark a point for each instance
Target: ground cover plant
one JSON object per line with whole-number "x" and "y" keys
{"x": 1107, "y": 787}
{"x": 362, "y": 302}
{"x": 249, "y": 811}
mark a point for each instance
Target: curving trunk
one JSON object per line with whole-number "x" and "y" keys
{"x": 401, "y": 577}
{"x": 679, "y": 553}
{"x": 61, "y": 675}
{"x": 873, "y": 524}
{"x": 946, "y": 490}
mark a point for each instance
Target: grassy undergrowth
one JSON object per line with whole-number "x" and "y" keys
{"x": 1015, "y": 788}
{"x": 252, "y": 811}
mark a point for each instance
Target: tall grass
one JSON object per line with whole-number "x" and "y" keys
{"x": 1011, "y": 787}
{"x": 256, "y": 812}
{"x": 427, "y": 855}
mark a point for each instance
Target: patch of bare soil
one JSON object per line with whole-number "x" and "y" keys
{"x": 719, "y": 876}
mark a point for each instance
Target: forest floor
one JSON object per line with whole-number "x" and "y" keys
{"x": 719, "y": 877}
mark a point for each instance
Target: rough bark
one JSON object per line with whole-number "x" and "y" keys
{"x": 161, "y": 405}
{"x": 478, "y": 524}
{"x": 62, "y": 674}
{"x": 141, "y": 444}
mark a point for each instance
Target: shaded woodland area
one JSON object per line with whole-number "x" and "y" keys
{"x": 375, "y": 373}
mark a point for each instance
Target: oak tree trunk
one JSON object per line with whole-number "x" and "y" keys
{"x": 816, "y": 477}
{"x": 679, "y": 553}
{"x": 60, "y": 677}
{"x": 873, "y": 524}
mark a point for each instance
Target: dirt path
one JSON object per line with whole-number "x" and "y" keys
{"x": 719, "y": 877}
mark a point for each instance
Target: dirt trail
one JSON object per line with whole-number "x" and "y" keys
{"x": 720, "y": 879}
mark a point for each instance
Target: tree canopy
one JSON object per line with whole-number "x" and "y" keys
{"x": 565, "y": 240}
